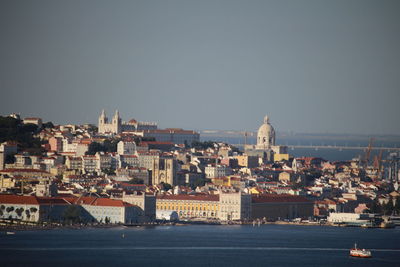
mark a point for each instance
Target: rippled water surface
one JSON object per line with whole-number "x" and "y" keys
{"x": 268, "y": 245}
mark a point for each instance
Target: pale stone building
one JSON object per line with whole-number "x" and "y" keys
{"x": 37, "y": 121}
{"x": 211, "y": 171}
{"x": 146, "y": 202}
{"x": 147, "y": 158}
{"x": 113, "y": 127}
{"x": 116, "y": 125}
{"x": 126, "y": 148}
{"x": 165, "y": 171}
{"x": 2, "y": 160}
{"x": 234, "y": 206}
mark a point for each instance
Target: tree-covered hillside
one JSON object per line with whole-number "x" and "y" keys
{"x": 14, "y": 130}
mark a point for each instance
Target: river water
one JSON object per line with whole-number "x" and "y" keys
{"x": 201, "y": 245}
{"x": 331, "y": 154}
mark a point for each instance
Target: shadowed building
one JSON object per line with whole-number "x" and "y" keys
{"x": 274, "y": 207}
{"x": 165, "y": 171}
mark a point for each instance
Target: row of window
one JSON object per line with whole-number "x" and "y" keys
{"x": 176, "y": 207}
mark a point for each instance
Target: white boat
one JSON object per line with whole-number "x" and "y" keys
{"x": 360, "y": 253}
{"x": 10, "y": 233}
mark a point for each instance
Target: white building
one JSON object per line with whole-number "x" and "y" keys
{"x": 146, "y": 202}
{"x": 147, "y": 158}
{"x": 217, "y": 171}
{"x": 116, "y": 126}
{"x": 37, "y": 121}
{"x": 89, "y": 163}
{"x": 103, "y": 161}
{"x": 126, "y": 148}
{"x": 127, "y": 161}
{"x": 112, "y": 210}
{"x": 350, "y": 218}
{"x": 234, "y": 206}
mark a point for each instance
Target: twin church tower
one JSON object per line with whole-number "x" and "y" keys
{"x": 115, "y": 126}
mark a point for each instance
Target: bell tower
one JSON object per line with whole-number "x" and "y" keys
{"x": 116, "y": 123}
{"x": 103, "y": 120}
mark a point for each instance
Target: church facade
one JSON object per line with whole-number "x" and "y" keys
{"x": 116, "y": 126}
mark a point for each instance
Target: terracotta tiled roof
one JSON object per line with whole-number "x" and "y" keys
{"x": 155, "y": 143}
{"x": 94, "y": 201}
{"x": 23, "y": 170}
{"x": 52, "y": 201}
{"x": 15, "y": 199}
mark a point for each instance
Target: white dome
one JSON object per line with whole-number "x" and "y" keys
{"x": 265, "y": 130}
{"x": 265, "y": 135}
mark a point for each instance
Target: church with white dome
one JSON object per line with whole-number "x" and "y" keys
{"x": 265, "y": 135}
{"x": 265, "y": 147}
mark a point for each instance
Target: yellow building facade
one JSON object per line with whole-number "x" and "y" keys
{"x": 190, "y": 206}
{"x": 280, "y": 157}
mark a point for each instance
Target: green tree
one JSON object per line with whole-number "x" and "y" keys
{"x": 397, "y": 205}
{"x": 110, "y": 145}
{"x": 136, "y": 180}
{"x": 376, "y": 207}
{"x": 33, "y": 210}
{"x": 14, "y": 130}
{"x": 200, "y": 182}
{"x": 203, "y": 145}
{"x": 10, "y": 209}
{"x": 10, "y": 159}
{"x": 388, "y": 208}
{"x": 48, "y": 125}
{"x": 166, "y": 186}
{"x": 94, "y": 147}
{"x": 108, "y": 171}
{"x": 19, "y": 211}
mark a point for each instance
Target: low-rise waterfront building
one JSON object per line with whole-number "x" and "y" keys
{"x": 279, "y": 207}
{"x": 190, "y": 206}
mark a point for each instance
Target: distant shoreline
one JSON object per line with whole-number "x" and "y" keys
{"x": 18, "y": 227}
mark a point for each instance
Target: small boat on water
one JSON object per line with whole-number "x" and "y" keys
{"x": 10, "y": 233}
{"x": 360, "y": 253}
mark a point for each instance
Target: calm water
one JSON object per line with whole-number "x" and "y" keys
{"x": 326, "y": 153}
{"x": 268, "y": 245}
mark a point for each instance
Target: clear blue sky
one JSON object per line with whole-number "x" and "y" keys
{"x": 312, "y": 66}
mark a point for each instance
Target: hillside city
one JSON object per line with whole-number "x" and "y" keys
{"x": 134, "y": 173}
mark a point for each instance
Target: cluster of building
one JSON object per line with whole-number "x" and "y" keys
{"x": 156, "y": 173}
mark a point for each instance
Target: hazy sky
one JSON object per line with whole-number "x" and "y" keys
{"x": 312, "y": 66}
